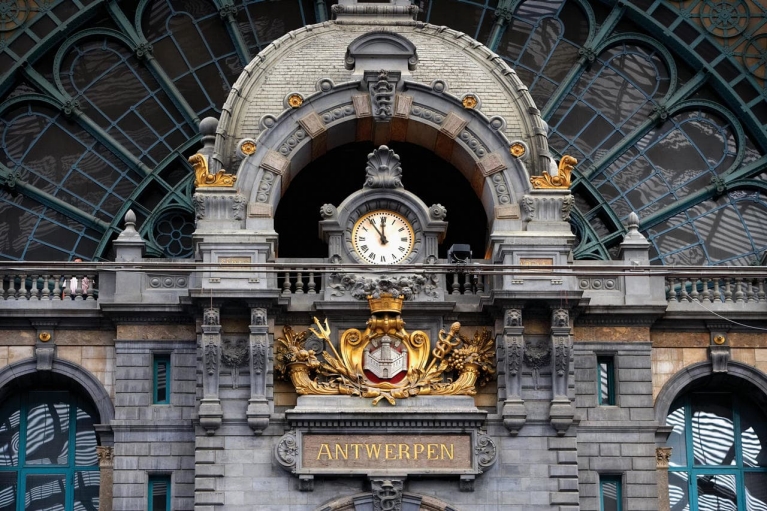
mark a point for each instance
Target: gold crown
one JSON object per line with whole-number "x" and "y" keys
{"x": 386, "y": 303}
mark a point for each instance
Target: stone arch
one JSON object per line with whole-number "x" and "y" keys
{"x": 737, "y": 373}
{"x": 364, "y": 501}
{"x": 425, "y": 115}
{"x": 13, "y": 375}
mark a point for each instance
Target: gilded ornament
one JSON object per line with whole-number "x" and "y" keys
{"x": 295, "y": 100}
{"x": 248, "y": 147}
{"x": 204, "y": 178}
{"x": 44, "y": 336}
{"x": 561, "y": 180}
{"x": 470, "y": 101}
{"x": 385, "y": 361}
{"x": 517, "y": 150}
{"x": 719, "y": 339}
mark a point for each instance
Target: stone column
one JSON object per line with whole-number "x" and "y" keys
{"x": 258, "y": 405}
{"x": 562, "y": 411}
{"x": 211, "y": 413}
{"x": 514, "y": 414}
{"x": 662, "y": 457}
{"x": 106, "y": 472}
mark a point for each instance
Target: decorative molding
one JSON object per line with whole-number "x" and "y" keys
{"x": 486, "y": 452}
{"x": 210, "y": 353}
{"x": 286, "y": 451}
{"x": 501, "y": 189}
{"x": 275, "y": 162}
{"x": 292, "y": 141}
{"x": 427, "y": 113}
{"x": 337, "y": 113}
{"x": 537, "y": 355}
{"x": 167, "y": 281}
{"x": 382, "y": 89}
{"x": 471, "y": 140}
{"x": 561, "y": 180}
{"x": 313, "y": 124}
{"x": 437, "y": 212}
{"x": 453, "y": 125}
{"x": 239, "y": 203}
{"x": 203, "y": 178}
{"x": 360, "y": 287}
{"x": 387, "y": 494}
{"x": 265, "y": 187}
{"x": 568, "y": 202}
{"x": 383, "y": 169}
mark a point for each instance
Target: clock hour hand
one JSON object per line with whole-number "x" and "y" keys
{"x": 383, "y": 238}
{"x": 383, "y": 229}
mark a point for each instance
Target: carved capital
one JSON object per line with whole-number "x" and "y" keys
{"x": 105, "y": 455}
{"x": 662, "y": 457}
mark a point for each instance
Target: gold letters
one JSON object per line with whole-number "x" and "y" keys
{"x": 391, "y": 452}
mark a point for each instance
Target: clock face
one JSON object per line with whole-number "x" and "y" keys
{"x": 383, "y": 237}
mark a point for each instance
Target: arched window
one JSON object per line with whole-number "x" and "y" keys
{"x": 719, "y": 456}
{"x": 48, "y": 457}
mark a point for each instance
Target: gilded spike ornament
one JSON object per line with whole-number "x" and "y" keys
{"x": 561, "y": 180}
{"x": 385, "y": 361}
{"x": 202, "y": 177}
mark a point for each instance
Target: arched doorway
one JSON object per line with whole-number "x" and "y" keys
{"x": 48, "y": 440}
{"x": 409, "y": 502}
{"x": 425, "y": 174}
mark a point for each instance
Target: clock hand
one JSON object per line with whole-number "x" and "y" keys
{"x": 383, "y": 228}
{"x": 372, "y": 222}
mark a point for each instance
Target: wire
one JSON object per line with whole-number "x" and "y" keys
{"x": 728, "y": 319}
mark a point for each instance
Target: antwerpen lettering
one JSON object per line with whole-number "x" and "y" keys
{"x": 385, "y": 451}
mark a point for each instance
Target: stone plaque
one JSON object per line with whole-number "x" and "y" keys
{"x": 402, "y": 453}
{"x": 536, "y": 262}
{"x": 234, "y": 260}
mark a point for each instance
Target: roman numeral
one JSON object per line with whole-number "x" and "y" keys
{"x": 361, "y": 238}
{"x": 401, "y": 229}
{"x": 401, "y": 249}
{"x": 364, "y": 228}
{"x": 403, "y": 239}
{"x": 372, "y": 256}
{"x": 383, "y": 259}
{"x": 364, "y": 248}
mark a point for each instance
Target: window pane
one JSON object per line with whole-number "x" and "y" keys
{"x": 45, "y": 493}
{"x": 8, "y": 492}
{"x": 85, "y": 443}
{"x": 756, "y": 491}
{"x": 677, "y": 438}
{"x": 87, "y": 490}
{"x": 606, "y": 372}
{"x": 753, "y": 435}
{"x": 48, "y": 429}
{"x": 611, "y": 495}
{"x": 161, "y": 379}
{"x": 678, "y": 494}
{"x": 712, "y": 430}
{"x": 717, "y": 492}
{"x": 159, "y": 493}
{"x": 9, "y": 434}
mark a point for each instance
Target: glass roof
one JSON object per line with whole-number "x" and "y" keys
{"x": 664, "y": 103}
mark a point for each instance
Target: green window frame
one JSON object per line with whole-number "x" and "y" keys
{"x": 606, "y": 381}
{"x": 38, "y": 466}
{"x": 158, "y": 492}
{"x": 719, "y": 452}
{"x": 161, "y": 379}
{"x": 610, "y": 493}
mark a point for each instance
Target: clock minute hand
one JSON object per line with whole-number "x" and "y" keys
{"x": 383, "y": 238}
{"x": 383, "y": 229}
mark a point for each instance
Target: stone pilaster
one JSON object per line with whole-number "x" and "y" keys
{"x": 106, "y": 476}
{"x": 514, "y": 414}
{"x": 258, "y": 405}
{"x": 210, "y": 412}
{"x": 562, "y": 411}
{"x": 662, "y": 457}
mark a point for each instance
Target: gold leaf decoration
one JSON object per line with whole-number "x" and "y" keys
{"x": 517, "y": 150}
{"x": 204, "y": 178}
{"x": 561, "y": 180}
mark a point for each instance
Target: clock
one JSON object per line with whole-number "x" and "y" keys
{"x": 382, "y": 236}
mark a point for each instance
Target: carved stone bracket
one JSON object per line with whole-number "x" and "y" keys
{"x": 486, "y": 452}
{"x": 720, "y": 358}
{"x": 210, "y": 412}
{"x": 286, "y": 451}
{"x": 258, "y": 406}
{"x": 513, "y": 346}
{"x": 387, "y": 494}
{"x": 382, "y": 86}
{"x": 409, "y": 286}
{"x": 562, "y": 412}
{"x": 662, "y": 457}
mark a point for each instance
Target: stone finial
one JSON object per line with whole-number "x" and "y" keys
{"x": 130, "y": 232}
{"x": 633, "y": 235}
{"x": 208, "y": 128}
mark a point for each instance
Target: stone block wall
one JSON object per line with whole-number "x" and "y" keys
{"x": 617, "y": 440}
{"x": 153, "y": 438}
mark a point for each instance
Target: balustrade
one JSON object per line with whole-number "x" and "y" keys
{"x": 49, "y": 286}
{"x": 716, "y": 289}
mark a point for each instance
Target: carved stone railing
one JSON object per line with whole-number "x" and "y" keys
{"x": 297, "y": 280}
{"x": 717, "y": 289}
{"x": 34, "y": 286}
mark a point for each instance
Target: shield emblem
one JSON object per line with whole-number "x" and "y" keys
{"x": 385, "y": 359}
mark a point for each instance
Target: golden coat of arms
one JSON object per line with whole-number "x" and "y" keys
{"x": 385, "y": 361}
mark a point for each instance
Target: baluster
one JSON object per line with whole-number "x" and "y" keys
{"x": 685, "y": 297}
{"x": 57, "y": 287}
{"x": 456, "y": 285}
{"x": 717, "y": 295}
{"x": 4, "y": 289}
{"x": 739, "y": 290}
{"x": 91, "y": 283}
{"x": 480, "y": 284}
{"x": 760, "y": 293}
{"x": 34, "y": 291}
{"x": 750, "y": 290}
{"x": 46, "y": 293}
{"x": 727, "y": 289}
{"x": 312, "y": 285}
{"x": 78, "y": 288}
{"x": 705, "y": 296}
{"x": 671, "y": 289}
{"x": 694, "y": 291}
{"x": 299, "y": 283}
{"x": 286, "y": 284}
